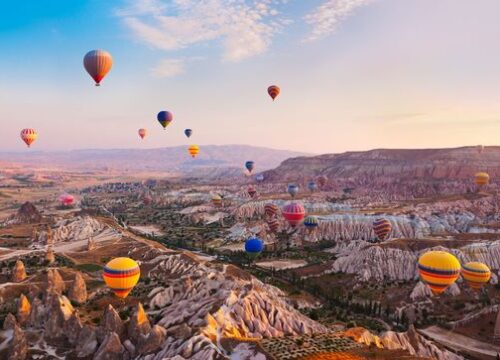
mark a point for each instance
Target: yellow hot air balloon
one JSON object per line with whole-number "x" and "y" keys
{"x": 217, "y": 200}
{"x": 194, "y": 150}
{"x": 476, "y": 274}
{"x": 438, "y": 269}
{"x": 481, "y": 179}
{"x": 121, "y": 275}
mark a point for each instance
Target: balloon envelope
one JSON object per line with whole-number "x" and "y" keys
{"x": 259, "y": 177}
{"x": 66, "y": 199}
{"x": 382, "y": 228}
{"x": 164, "y": 118}
{"x": 293, "y": 189}
{"x": 481, "y": 178}
{"x": 121, "y": 275}
{"x": 254, "y": 246}
{"x": 311, "y": 222}
{"x": 217, "y": 200}
{"x": 193, "y": 150}
{"x": 142, "y": 133}
{"x": 188, "y": 132}
{"x": 250, "y": 165}
{"x": 273, "y": 91}
{"x": 29, "y": 136}
{"x": 438, "y": 269}
{"x": 311, "y": 185}
{"x": 270, "y": 210}
{"x": 98, "y": 63}
{"x": 293, "y": 213}
{"x": 476, "y": 274}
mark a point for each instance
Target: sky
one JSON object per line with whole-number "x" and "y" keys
{"x": 354, "y": 74}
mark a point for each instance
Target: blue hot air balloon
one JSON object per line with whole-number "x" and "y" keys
{"x": 164, "y": 118}
{"x": 188, "y": 132}
{"x": 312, "y": 186}
{"x": 293, "y": 189}
{"x": 311, "y": 222}
{"x": 254, "y": 246}
{"x": 250, "y": 165}
{"x": 260, "y": 177}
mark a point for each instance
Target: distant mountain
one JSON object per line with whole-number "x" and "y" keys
{"x": 455, "y": 163}
{"x": 169, "y": 159}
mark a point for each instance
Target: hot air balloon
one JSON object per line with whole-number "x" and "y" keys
{"x": 217, "y": 200}
{"x": 311, "y": 223}
{"x": 250, "y": 165}
{"x": 254, "y": 246}
{"x": 293, "y": 189}
{"x": 164, "y": 118}
{"x": 476, "y": 274}
{"x": 293, "y": 213}
{"x": 273, "y": 91}
{"x": 480, "y": 149}
{"x": 188, "y": 132}
{"x": 66, "y": 199}
{"x": 322, "y": 179}
{"x": 481, "y": 179}
{"x": 273, "y": 224}
{"x": 98, "y": 63}
{"x": 142, "y": 133}
{"x": 382, "y": 228}
{"x": 438, "y": 269}
{"x": 251, "y": 191}
{"x": 270, "y": 210}
{"x": 259, "y": 177}
{"x": 121, "y": 275}
{"x": 194, "y": 150}
{"x": 311, "y": 185}
{"x": 29, "y": 136}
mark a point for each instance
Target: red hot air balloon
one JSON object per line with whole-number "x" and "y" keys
{"x": 273, "y": 91}
{"x": 98, "y": 63}
{"x": 142, "y": 133}
{"x": 293, "y": 213}
{"x": 29, "y": 136}
{"x": 66, "y": 199}
{"x": 382, "y": 228}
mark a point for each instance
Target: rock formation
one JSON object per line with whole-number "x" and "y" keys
{"x": 153, "y": 341}
{"x": 23, "y": 310}
{"x": 9, "y": 322}
{"x": 111, "y": 323}
{"x": 110, "y": 349}
{"x": 50, "y": 257}
{"x": 496, "y": 333}
{"x": 78, "y": 290}
{"x": 54, "y": 282}
{"x": 19, "y": 272}
{"x": 27, "y": 214}
{"x": 139, "y": 325}
{"x": 90, "y": 244}
{"x": 18, "y": 347}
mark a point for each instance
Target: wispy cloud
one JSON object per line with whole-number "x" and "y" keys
{"x": 243, "y": 28}
{"x": 326, "y": 18}
{"x": 168, "y": 68}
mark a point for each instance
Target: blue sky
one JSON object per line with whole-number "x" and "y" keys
{"x": 355, "y": 74}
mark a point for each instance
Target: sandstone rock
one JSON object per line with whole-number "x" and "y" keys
{"x": 129, "y": 347}
{"x": 18, "y": 347}
{"x": 19, "y": 272}
{"x": 10, "y": 322}
{"x": 139, "y": 324}
{"x": 153, "y": 341}
{"x": 111, "y": 323}
{"x": 110, "y": 349}
{"x": 54, "y": 282}
{"x": 37, "y": 314}
{"x": 50, "y": 257}
{"x": 59, "y": 312}
{"x": 90, "y": 244}
{"x": 420, "y": 291}
{"x": 496, "y": 331}
{"x": 23, "y": 310}
{"x": 87, "y": 341}
{"x": 78, "y": 290}
{"x": 27, "y": 214}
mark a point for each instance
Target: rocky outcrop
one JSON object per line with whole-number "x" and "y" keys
{"x": 18, "y": 347}
{"x": 86, "y": 344}
{"x": 23, "y": 310}
{"x": 111, "y": 323}
{"x": 139, "y": 324}
{"x": 111, "y": 348}
{"x": 27, "y": 214}
{"x": 50, "y": 257}
{"x": 78, "y": 290}
{"x": 496, "y": 332}
{"x": 9, "y": 322}
{"x": 153, "y": 341}
{"x": 54, "y": 283}
{"x": 19, "y": 272}
{"x": 78, "y": 228}
{"x": 62, "y": 321}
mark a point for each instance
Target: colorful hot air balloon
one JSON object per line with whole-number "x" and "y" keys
{"x": 438, "y": 269}
{"x": 217, "y": 200}
{"x": 142, "y": 133}
{"x": 29, "y": 136}
{"x": 293, "y": 213}
{"x": 311, "y": 223}
{"x": 121, "y": 275}
{"x": 293, "y": 189}
{"x": 270, "y": 210}
{"x": 188, "y": 132}
{"x": 250, "y": 165}
{"x": 311, "y": 185}
{"x": 254, "y": 246}
{"x": 259, "y": 177}
{"x": 164, "y": 118}
{"x": 193, "y": 150}
{"x": 476, "y": 274}
{"x": 322, "y": 179}
{"x": 66, "y": 199}
{"x": 273, "y": 91}
{"x": 382, "y": 228}
{"x": 481, "y": 179}
{"x": 273, "y": 224}
{"x": 98, "y": 63}
{"x": 251, "y": 191}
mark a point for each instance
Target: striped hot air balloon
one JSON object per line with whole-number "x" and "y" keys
{"x": 382, "y": 228}
{"x": 98, "y": 63}
{"x": 481, "y": 179}
{"x": 251, "y": 191}
{"x": 476, "y": 274}
{"x": 29, "y": 136}
{"x": 271, "y": 210}
{"x": 165, "y": 117}
{"x": 438, "y": 269}
{"x": 293, "y": 213}
{"x": 311, "y": 223}
{"x": 273, "y": 91}
{"x": 142, "y": 133}
{"x": 194, "y": 150}
{"x": 217, "y": 200}
{"x": 121, "y": 275}
{"x": 274, "y": 224}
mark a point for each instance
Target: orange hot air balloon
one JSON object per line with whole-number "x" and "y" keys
{"x": 438, "y": 269}
{"x": 476, "y": 274}
{"x": 194, "y": 150}
{"x": 481, "y": 179}
{"x": 142, "y": 133}
{"x": 98, "y": 63}
{"x": 29, "y": 136}
{"x": 273, "y": 91}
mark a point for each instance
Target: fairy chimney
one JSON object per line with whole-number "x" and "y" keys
{"x": 50, "y": 257}
{"x": 19, "y": 272}
{"x": 78, "y": 290}
{"x": 23, "y": 309}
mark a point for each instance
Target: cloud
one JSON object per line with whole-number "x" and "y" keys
{"x": 168, "y": 68}
{"x": 326, "y": 18}
{"x": 243, "y": 28}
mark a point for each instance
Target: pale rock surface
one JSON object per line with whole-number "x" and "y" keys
{"x": 111, "y": 348}
{"x": 54, "y": 282}
{"x": 78, "y": 290}
{"x": 111, "y": 323}
{"x": 138, "y": 325}
{"x": 152, "y": 341}
{"x": 18, "y": 347}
